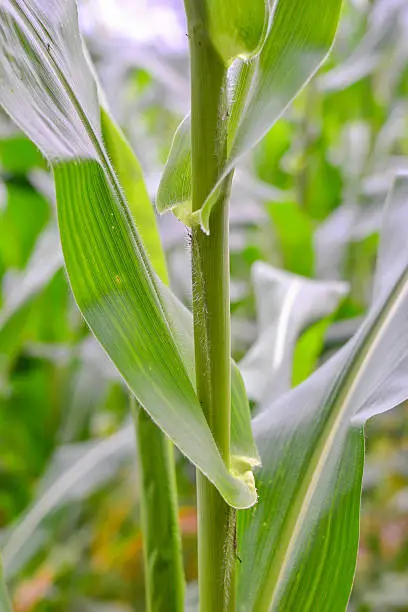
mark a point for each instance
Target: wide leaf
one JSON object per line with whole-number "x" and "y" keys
{"x": 131, "y": 179}
{"x": 286, "y": 305}
{"x": 48, "y": 89}
{"x": 300, "y": 541}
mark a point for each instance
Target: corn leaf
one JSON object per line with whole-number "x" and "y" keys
{"x": 48, "y": 89}
{"x": 162, "y": 540}
{"x": 75, "y": 472}
{"x": 298, "y": 38}
{"x": 301, "y": 539}
{"x": 20, "y": 288}
{"x": 45, "y": 261}
{"x": 131, "y": 179}
{"x": 286, "y": 305}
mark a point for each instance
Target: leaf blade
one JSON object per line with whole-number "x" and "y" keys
{"x": 48, "y": 89}
{"x": 311, "y": 446}
{"x": 130, "y": 175}
{"x": 298, "y": 39}
{"x": 286, "y": 305}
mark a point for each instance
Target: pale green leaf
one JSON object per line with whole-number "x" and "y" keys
{"x": 48, "y": 89}
{"x": 301, "y": 33}
{"x": 20, "y": 287}
{"x": 286, "y": 305}
{"x": 75, "y": 472}
{"x": 19, "y": 290}
{"x": 301, "y": 539}
{"x": 299, "y": 36}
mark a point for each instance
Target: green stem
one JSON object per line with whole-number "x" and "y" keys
{"x": 163, "y": 562}
{"x": 211, "y": 309}
{"x": 216, "y": 520}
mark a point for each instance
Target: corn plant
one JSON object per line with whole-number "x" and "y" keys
{"x": 278, "y": 498}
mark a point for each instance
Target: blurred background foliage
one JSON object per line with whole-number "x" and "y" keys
{"x": 309, "y": 200}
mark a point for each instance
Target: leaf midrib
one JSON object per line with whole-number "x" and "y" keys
{"x": 340, "y": 395}
{"x": 103, "y": 157}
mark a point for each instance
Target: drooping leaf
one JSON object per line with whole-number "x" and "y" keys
{"x": 286, "y": 305}
{"x": 301, "y": 539}
{"x": 20, "y": 287}
{"x": 48, "y": 89}
{"x": 299, "y": 36}
{"x": 243, "y": 447}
